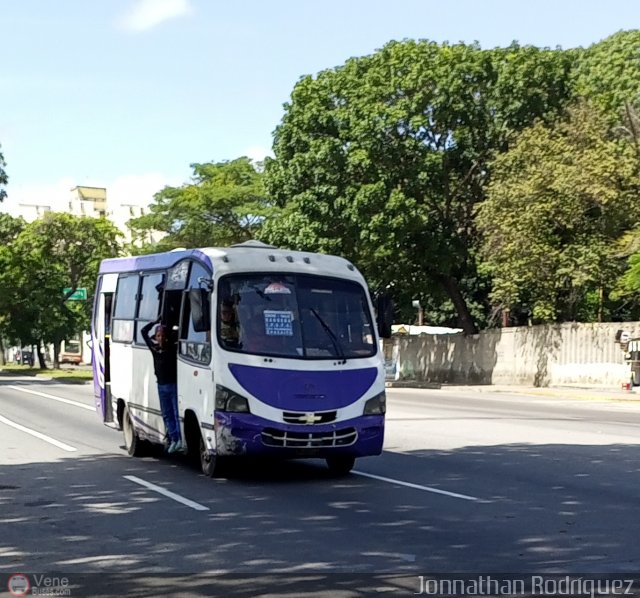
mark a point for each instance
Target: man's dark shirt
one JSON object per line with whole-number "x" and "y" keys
{"x": 165, "y": 362}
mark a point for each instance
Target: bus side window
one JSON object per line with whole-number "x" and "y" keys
{"x": 125, "y": 308}
{"x": 108, "y": 304}
{"x": 195, "y": 335}
{"x": 149, "y": 302}
{"x": 200, "y": 309}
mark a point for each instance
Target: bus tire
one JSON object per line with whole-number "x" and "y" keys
{"x": 192, "y": 437}
{"x": 340, "y": 465}
{"x": 133, "y": 444}
{"x": 212, "y": 466}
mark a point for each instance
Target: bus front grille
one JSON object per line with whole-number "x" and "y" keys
{"x": 312, "y": 440}
{"x": 320, "y": 417}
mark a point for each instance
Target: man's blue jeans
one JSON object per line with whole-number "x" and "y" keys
{"x": 169, "y": 405}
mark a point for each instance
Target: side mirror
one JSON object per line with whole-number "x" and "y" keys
{"x": 200, "y": 309}
{"x": 384, "y": 315}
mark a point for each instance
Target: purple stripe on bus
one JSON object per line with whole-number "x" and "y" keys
{"x": 145, "y": 425}
{"x": 304, "y": 390}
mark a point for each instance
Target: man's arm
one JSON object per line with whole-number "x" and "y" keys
{"x": 145, "y": 334}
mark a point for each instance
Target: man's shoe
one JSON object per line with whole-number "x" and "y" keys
{"x": 173, "y": 447}
{"x": 179, "y": 446}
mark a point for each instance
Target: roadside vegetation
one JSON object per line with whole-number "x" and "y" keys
{"x": 63, "y": 375}
{"x": 497, "y": 186}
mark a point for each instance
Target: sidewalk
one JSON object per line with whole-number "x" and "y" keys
{"x": 593, "y": 393}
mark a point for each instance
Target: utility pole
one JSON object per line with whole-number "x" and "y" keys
{"x": 416, "y": 304}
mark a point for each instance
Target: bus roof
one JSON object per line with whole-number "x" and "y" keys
{"x": 153, "y": 261}
{"x": 251, "y": 256}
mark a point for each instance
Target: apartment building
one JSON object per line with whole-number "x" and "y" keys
{"x": 88, "y": 201}
{"x": 93, "y": 201}
{"x": 32, "y": 212}
{"x": 121, "y": 213}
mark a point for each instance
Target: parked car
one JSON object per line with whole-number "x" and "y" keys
{"x": 73, "y": 358}
{"x": 25, "y": 357}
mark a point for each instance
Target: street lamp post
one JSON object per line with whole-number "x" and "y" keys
{"x": 416, "y": 304}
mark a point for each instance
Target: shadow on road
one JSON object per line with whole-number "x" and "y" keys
{"x": 280, "y": 526}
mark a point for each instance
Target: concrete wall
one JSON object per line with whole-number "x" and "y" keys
{"x": 563, "y": 354}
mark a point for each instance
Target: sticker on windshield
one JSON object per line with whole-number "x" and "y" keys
{"x": 277, "y": 288}
{"x": 278, "y": 323}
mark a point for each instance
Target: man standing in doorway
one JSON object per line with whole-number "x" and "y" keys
{"x": 164, "y": 353}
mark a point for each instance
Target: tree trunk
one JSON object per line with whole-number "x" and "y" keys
{"x": 465, "y": 319}
{"x": 56, "y": 355}
{"x": 43, "y": 365}
{"x": 600, "y": 303}
{"x": 2, "y": 360}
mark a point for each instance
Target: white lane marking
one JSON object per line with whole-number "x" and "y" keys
{"x": 54, "y": 398}
{"x": 62, "y": 445}
{"x": 416, "y": 486}
{"x": 167, "y": 493}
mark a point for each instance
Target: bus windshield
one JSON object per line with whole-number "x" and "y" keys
{"x": 294, "y": 315}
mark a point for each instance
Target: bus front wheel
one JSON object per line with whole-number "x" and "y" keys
{"x": 340, "y": 466}
{"x": 212, "y": 465}
{"x": 132, "y": 442}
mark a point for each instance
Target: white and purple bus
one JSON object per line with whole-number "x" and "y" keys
{"x": 278, "y": 354}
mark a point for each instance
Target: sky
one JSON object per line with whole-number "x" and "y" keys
{"x": 128, "y": 93}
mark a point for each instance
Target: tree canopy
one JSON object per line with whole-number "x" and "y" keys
{"x": 46, "y": 256}
{"x": 558, "y": 201}
{"x": 224, "y": 204}
{"x": 10, "y": 228}
{"x": 384, "y": 158}
{"x": 3, "y": 176}
{"x": 608, "y": 73}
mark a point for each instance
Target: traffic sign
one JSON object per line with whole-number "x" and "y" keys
{"x": 77, "y": 295}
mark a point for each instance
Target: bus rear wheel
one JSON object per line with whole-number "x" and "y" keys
{"x": 341, "y": 465}
{"x": 133, "y": 444}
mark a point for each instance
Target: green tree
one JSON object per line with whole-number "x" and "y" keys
{"x": 10, "y": 228}
{"x": 224, "y": 204}
{"x": 558, "y": 201}
{"x": 56, "y": 252}
{"x": 608, "y": 73}
{"x": 3, "y": 176}
{"x": 383, "y": 159}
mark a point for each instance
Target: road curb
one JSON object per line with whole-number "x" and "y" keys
{"x": 561, "y": 392}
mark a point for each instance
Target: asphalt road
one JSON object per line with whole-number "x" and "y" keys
{"x": 468, "y": 483}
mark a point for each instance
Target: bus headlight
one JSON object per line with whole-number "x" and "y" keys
{"x": 227, "y": 400}
{"x": 376, "y": 405}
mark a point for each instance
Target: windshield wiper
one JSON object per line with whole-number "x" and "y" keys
{"x": 332, "y": 335}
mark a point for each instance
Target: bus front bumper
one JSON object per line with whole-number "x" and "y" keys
{"x": 246, "y": 434}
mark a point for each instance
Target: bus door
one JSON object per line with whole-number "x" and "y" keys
{"x": 107, "y": 408}
{"x": 102, "y": 348}
{"x": 195, "y": 385}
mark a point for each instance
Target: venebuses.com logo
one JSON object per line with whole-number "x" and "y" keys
{"x": 37, "y": 584}
{"x": 19, "y": 585}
